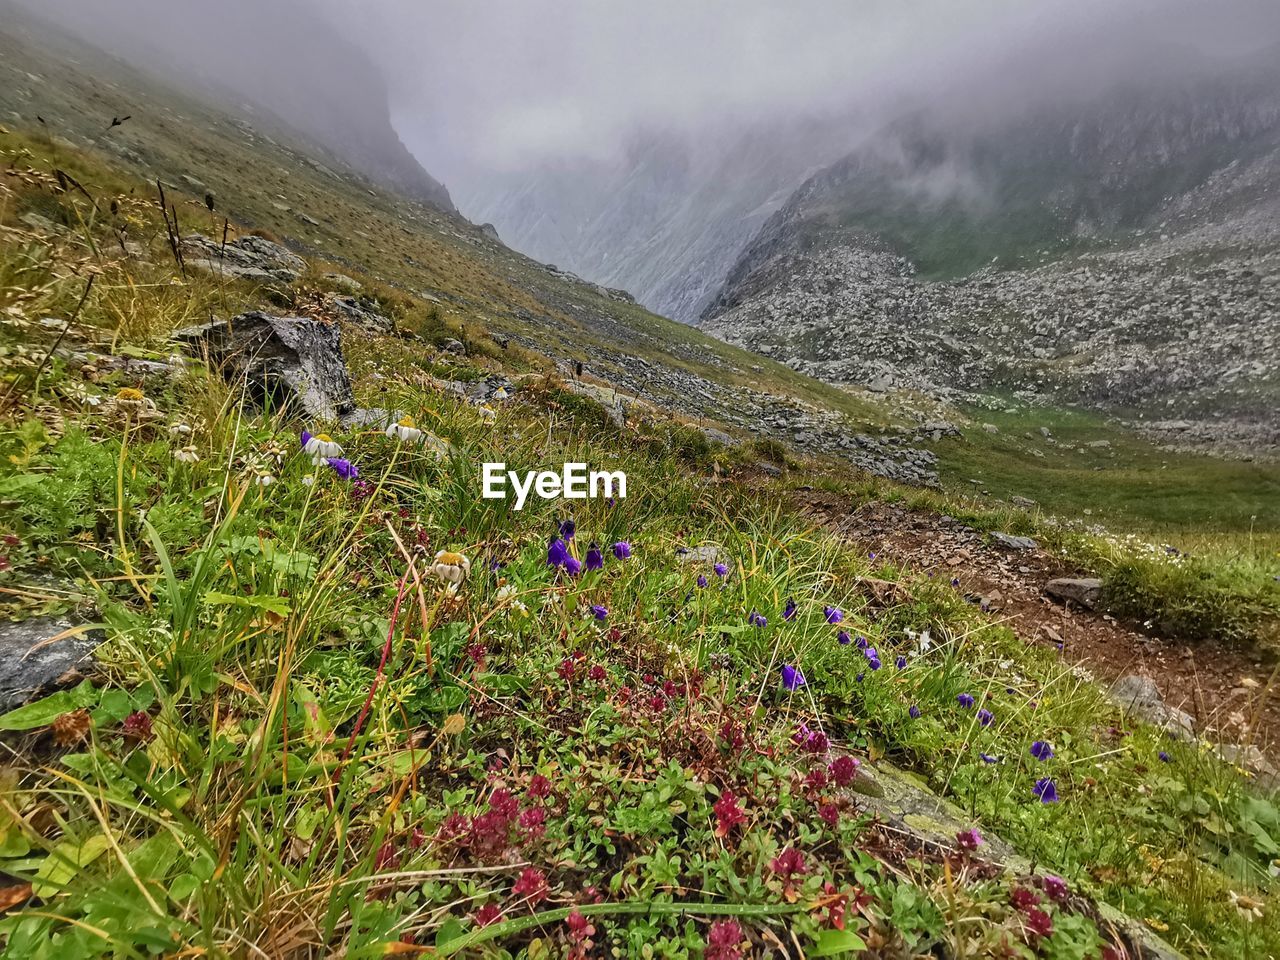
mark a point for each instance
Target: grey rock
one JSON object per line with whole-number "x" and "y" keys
{"x": 1013, "y": 542}
{"x": 248, "y": 258}
{"x": 283, "y": 360}
{"x": 29, "y": 666}
{"x": 344, "y": 283}
{"x": 719, "y": 436}
{"x": 1150, "y": 945}
{"x": 363, "y": 312}
{"x": 454, "y": 346}
{"x": 1139, "y": 697}
{"x": 1085, "y": 591}
{"x": 704, "y": 554}
{"x": 991, "y": 428}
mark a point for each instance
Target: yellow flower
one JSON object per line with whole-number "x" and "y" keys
{"x": 130, "y": 395}
{"x": 404, "y": 430}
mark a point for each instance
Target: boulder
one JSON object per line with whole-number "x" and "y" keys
{"x": 248, "y": 258}
{"x": 704, "y": 554}
{"x": 454, "y": 346}
{"x": 1012, "y": 542}
{"x": 284, "y": 361}
{"x": 1085, "y": 591}
{"x": 30, "y": 665}
{"x": 1139, "y": 697}
{"x": 363, "y": 312}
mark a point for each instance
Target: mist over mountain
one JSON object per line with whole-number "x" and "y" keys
{"x": 1119, "y": 250}
{"x": 666, "y": 218}
{"x": 281, "y": 56}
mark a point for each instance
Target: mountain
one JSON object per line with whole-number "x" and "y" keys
{"x": 666, "y": 217}
{"x": 279, "y": 58}
{"x": 1117, "y": 251}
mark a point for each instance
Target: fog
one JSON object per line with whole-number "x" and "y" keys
{"x": 489, "y": 89}
{"x": 505, "y": 85}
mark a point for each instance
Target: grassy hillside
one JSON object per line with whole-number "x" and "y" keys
{"x": 727, "y": 734}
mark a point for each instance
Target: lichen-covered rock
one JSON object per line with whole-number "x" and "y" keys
{"x": 283, "y": 361}
{"x": 31, "y": 665}
{"x": 248, "y": 258}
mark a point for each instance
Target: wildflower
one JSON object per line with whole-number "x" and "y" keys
{"x": 702, "y": 581}
{"x": 871, "y": 653}
{"x": 1042, "y": 750}
{"x": 129, "y": 396}
{"x": 557, "y": 552}
{"x": 597, "y": 674}
{"x": 874, "y": 663}
{"x": 721, "y": 570}
{"x": 1055, "y": 887}
{"x": 532, "y": 885}
{"x": 343, "y": 468}
{"x": 788, "y": 863}
{"x": 572, "y": 566}
{"x": 567, "y": 529}
{"x": 386, "y": 858}
{"x": 539, "y": 786}
{"x": 595, "y": 559}
{"x": 757, "y": 620}
{"x": 1046, "y": 790}
{"x": 263, "y": 479}
{"x": 500, "y": 394}
{"x": 862, "y": 643}
{"x": 417, "y": 839}
{"x": 308, "y": 480}
{"x": 843, "y": 770}
{"x": 404, "y": 430}
{"x": 580, "y": 931}
{"x": 566, "y": 668}
{"x": 985, "y": 717}
{"x": 834, "y": 614}
{"x": 451, "y": 567}
{"x": 965, "y": 700}
{"x": 843, "y": 638}
{"x": 1248, "y": 908}
{"x": 622, "y": 550}
{"x": 900, "y": 663}
{"x": 489, "y": 913}
{"x": 599, "y": 612}
{"x": 914, "y": 712}
{"x": 792, "y": 678}
{"x": 320, "y": 447}
{"x": 830, "y": 814}
{"x": 180, "y": 429}
{"x": 1165, "y": 758}
{"x": 789, "y": 612}
{"x": 724, "y": 941}
{"x": 454, "y": 825}
{"x": 1039, "y": 922}
{"x": 361, "y": 489}
{"x": 988, "y": 758}
{"x": 137, "y": 726}
{"x": 728, "y": 814}
{"x": 815, "y": 782}
{"x": 487, "y": 414}
{"x": 969, "y": 840}
{"x": 1024, "y": 898}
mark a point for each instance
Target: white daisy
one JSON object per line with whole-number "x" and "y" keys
{"x": 451, "y": 567}
{"x": 187, "y": 454}
{"x": 404, "y": 430}
{"x": 320, "y": 447}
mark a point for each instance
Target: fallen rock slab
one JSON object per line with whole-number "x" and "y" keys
{"x": 1086, "y": 591}
{"x": 1012, "y": 542}
{"x": 282, "y": 361}
{"x": 248, "y": 258}
{"x": 1140, "y": 697}
{"x": 33, "y": 662}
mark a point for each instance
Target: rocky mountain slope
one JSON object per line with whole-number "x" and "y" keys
{"x": 272, "y": 63}
{"x": 1118, "y": 252}
{"x": 665, "y": 219}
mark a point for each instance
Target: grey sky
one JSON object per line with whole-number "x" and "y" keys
{"x": 501, "y": 85}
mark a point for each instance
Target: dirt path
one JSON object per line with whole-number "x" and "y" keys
{"x": 1208, "y": 680}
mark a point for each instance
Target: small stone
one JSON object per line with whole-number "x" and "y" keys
{"x": 1012, "y": 542}
{"x": 1086, "y": 591}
